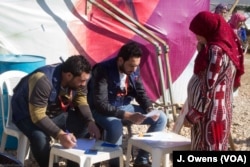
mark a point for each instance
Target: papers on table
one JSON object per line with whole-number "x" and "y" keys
{"x": 85, "y": 144}
{"x": 153, "y": 113}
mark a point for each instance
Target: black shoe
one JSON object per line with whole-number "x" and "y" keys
{"x": 141, "y": 165}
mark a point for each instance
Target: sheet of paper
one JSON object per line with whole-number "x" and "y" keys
{"x": 153, "y": 113}
{"x": 85, "y": 144}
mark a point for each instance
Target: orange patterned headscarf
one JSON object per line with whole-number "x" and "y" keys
{"x": 218, "y": 32}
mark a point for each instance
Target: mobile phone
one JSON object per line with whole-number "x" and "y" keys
{"x": 147, "y": 135}
{"x": 91, "y": 151}
{"x": 105, "y": 144}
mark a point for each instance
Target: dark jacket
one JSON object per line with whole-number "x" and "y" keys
{"x": 104, "y": 88}
{"x": 23, "y": 95}
{"x": 21, "y": 92}
{"x": 39, "y": 96}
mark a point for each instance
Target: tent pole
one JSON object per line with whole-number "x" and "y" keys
{"x": 170, "y": 84}
{"x": 107, "y": 11}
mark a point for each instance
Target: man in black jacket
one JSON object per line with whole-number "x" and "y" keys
{"x": 113, "y": 86}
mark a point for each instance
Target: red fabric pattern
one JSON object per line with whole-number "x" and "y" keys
{"x": 209, "y": 103}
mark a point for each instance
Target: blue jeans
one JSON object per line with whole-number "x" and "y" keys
{"x": 40, "y": 141}
{"x": 114, "y": 129}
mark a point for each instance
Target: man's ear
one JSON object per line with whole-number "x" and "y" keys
{"x": 68, "y": 75}
{"x": 120, "y": 60}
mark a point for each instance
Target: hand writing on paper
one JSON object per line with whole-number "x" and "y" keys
{"x": 67, "y": 140}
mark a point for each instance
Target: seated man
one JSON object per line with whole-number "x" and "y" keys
{"x": 112, "y": 87}
{"x": 51, "y": 101}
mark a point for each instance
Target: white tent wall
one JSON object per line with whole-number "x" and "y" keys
{"x": 27, "y": 29}
{"x": 180, "y": 85}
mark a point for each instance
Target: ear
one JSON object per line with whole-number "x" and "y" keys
{"x": 69, "y": 75}
{"x": 120, "y": 60}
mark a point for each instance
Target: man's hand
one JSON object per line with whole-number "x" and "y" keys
{"x": 94, "y": 130}
{"x": 200, "y": 46}
{"x": 235, "y": 89}
{"x": 67, "y": 140}
{"x": 186, "y": 123}
{"x": 136, "y": 118}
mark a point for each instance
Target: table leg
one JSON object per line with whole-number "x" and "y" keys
{"x": 121, "y": 161}
{"x": 156, "y": 157}
{"x": 166, "y": 160}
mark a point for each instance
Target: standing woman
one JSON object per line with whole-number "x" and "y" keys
{"x": 217, "y": 70}
{"x": 222, "y": 10}
{"x": 237, "y": 23}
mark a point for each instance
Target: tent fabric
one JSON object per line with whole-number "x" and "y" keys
{"x": 168, "y": 23}
{"x": 57, "y": 28}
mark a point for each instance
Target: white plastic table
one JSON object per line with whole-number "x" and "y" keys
{"x": 86, "y": 160}
{"x": 160, "y": 145}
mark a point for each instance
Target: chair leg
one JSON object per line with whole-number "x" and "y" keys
{"x": 3, "y": 142}
{"x": 130, "y": 135}
{"x": 129, "y": 150}
{"x": 23, "y": 143}
{"x": 27, "y": 152}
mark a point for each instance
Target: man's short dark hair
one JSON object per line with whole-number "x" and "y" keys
{"x": 76, "y": 64}
{"x": 131, "y": 49}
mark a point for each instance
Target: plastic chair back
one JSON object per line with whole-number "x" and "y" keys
{"x": 8, "y": 80}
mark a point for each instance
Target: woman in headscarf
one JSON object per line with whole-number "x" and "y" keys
{"x": 237, "y": 22}
{"x": 217, "y": 71}
{"x": 222, "y": 10}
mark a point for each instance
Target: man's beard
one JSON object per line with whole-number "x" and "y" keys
{"x": 70, "y": 86}
{"x": 122, "y": 69}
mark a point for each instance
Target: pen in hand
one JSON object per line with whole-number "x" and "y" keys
{"x": 72, "y": 138}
